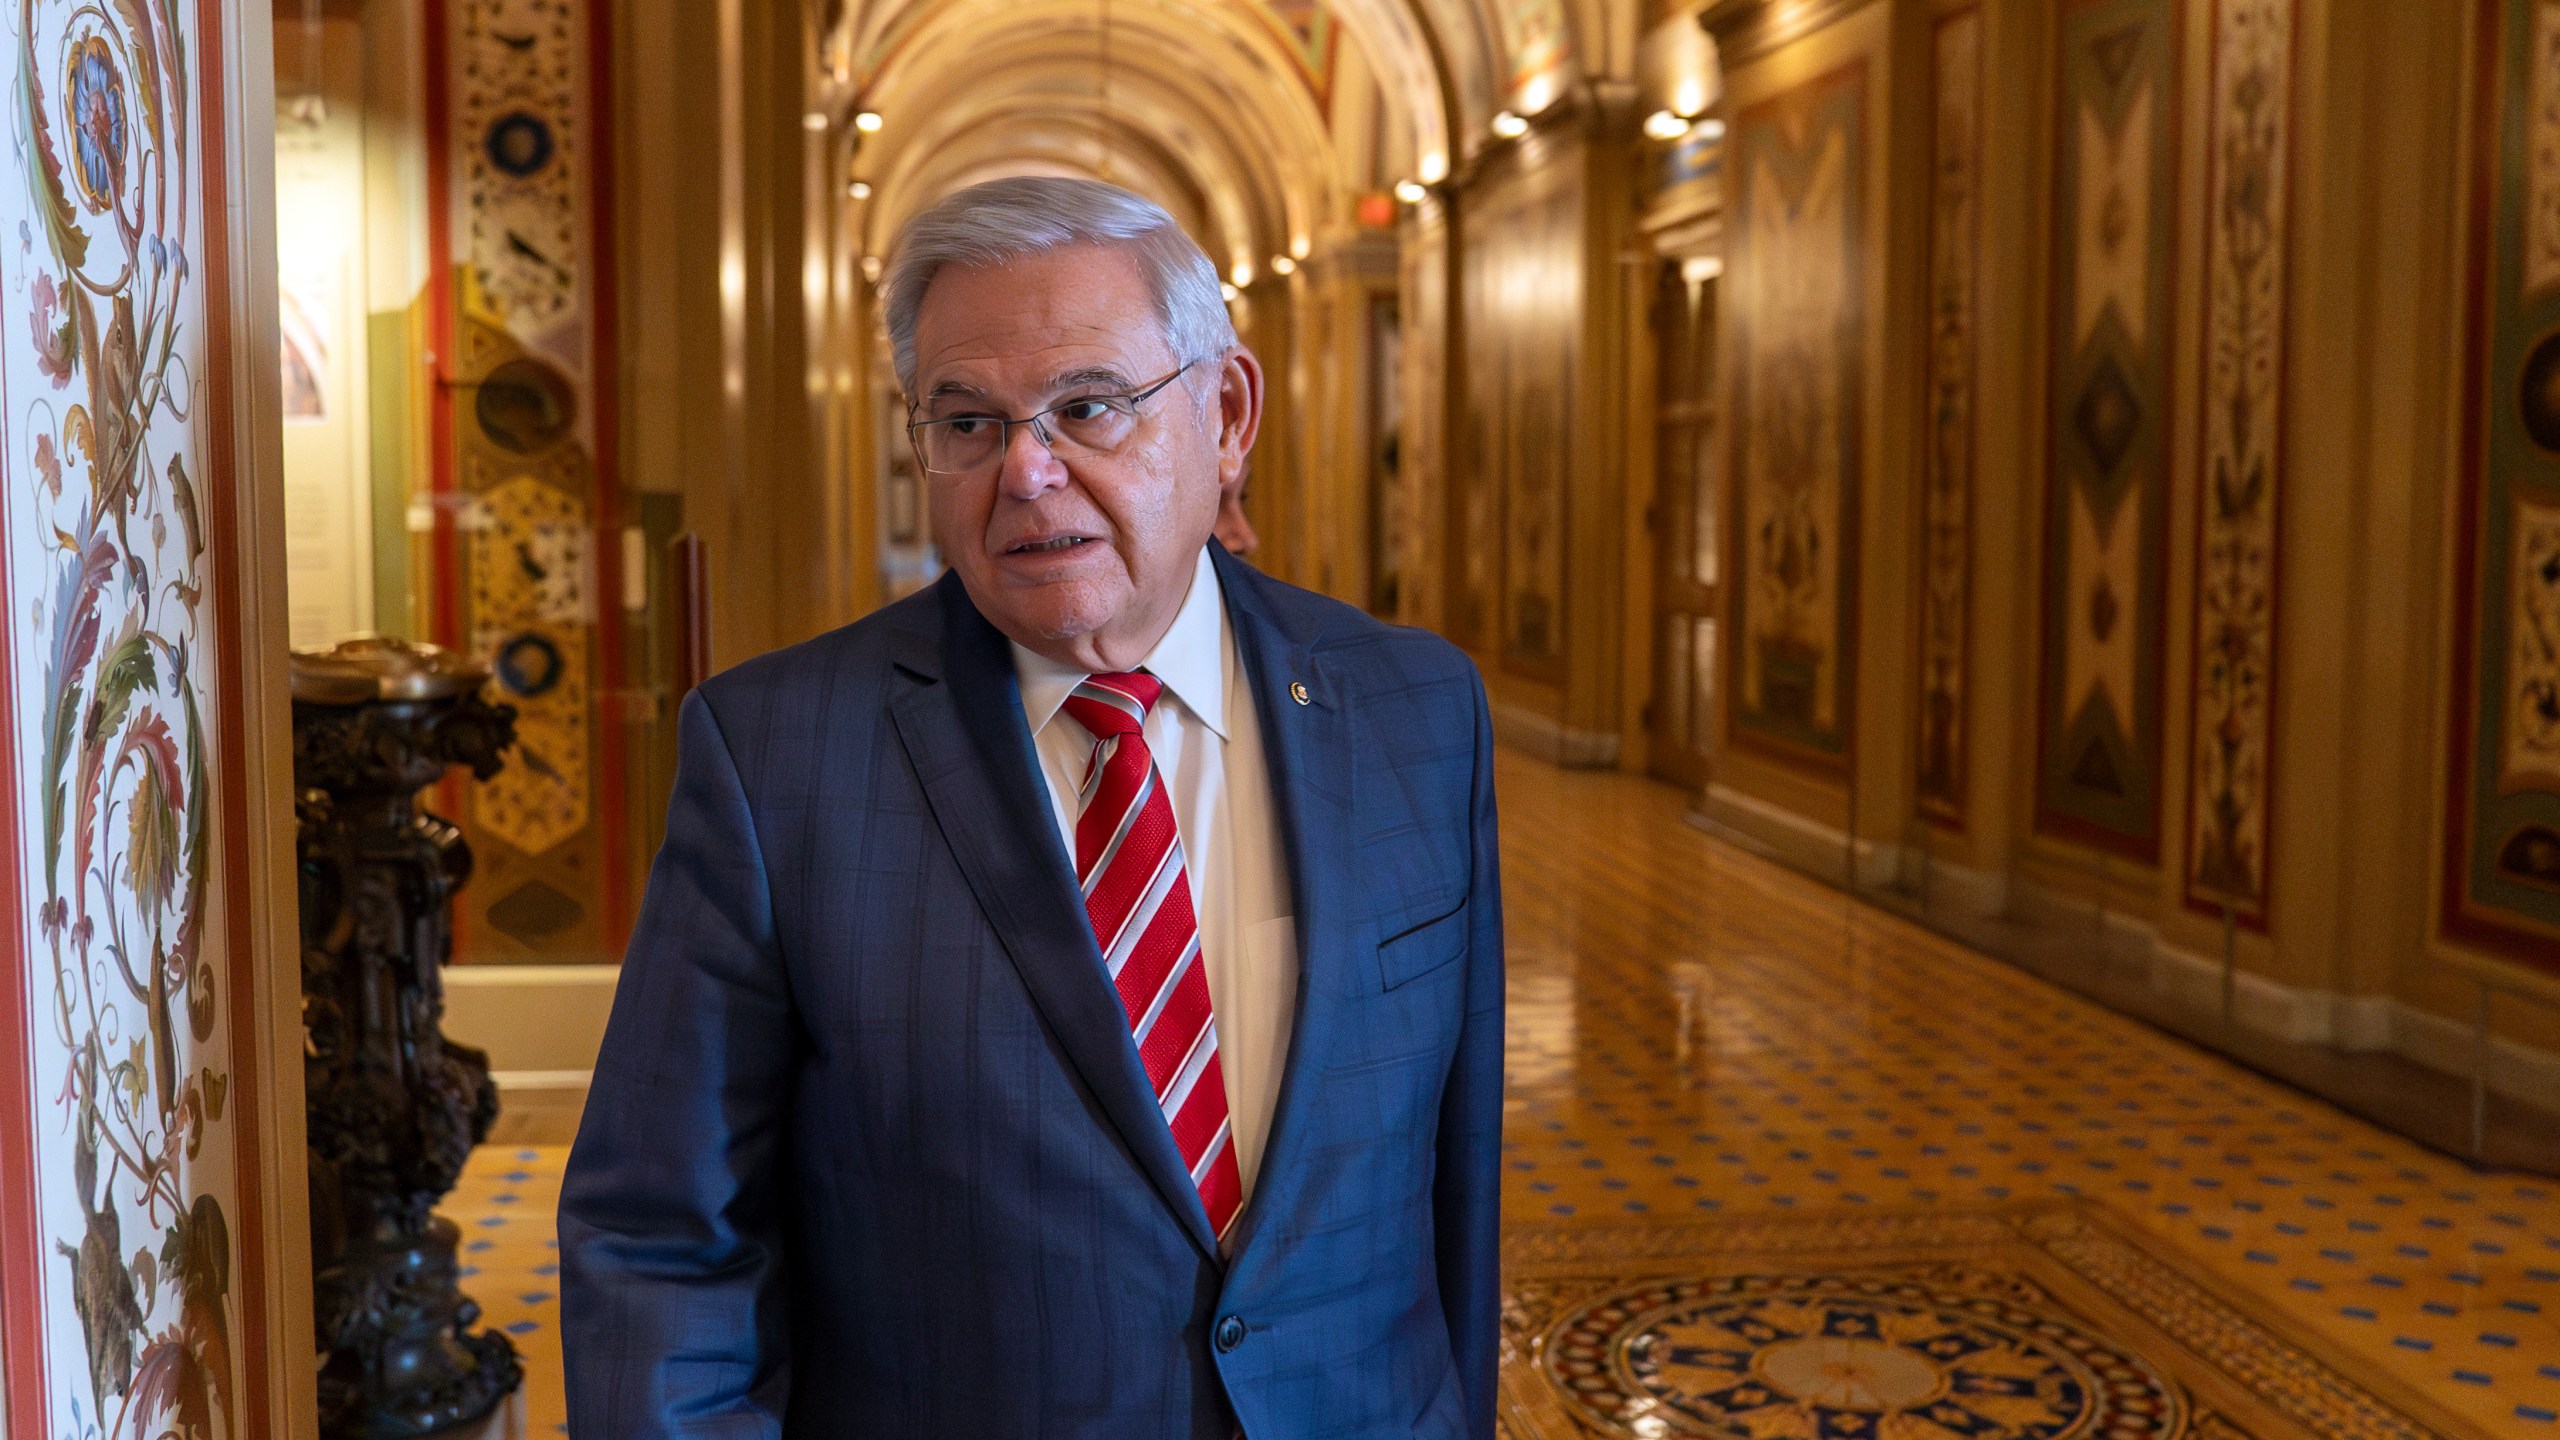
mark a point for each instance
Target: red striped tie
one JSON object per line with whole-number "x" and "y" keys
{"x": 1138, "y": 897}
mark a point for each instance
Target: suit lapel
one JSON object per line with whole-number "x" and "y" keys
{"x": 959, "y": 713}
{"x": 1306, "y": 746}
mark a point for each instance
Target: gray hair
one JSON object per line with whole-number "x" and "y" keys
{"x": 1005, "y": 220}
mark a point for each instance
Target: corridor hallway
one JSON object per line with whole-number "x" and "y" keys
{"x": 1745, "y": 1113}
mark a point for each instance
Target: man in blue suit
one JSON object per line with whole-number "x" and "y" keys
{"x": 1068, "y": 1002}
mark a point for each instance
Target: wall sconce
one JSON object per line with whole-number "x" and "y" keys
{"x": 814, "y": 121}
{"x": 1283, "y": 265}
{"x": 1710, "y": 129}
{"x": 1410, "y": 191}
{"x": 868, "y": 122}
{"x": 1241, "y": 273}
{"x": 1299, "y": 248}
{"x": 1230, "y": 292}
{"x": 1663, "y": 125}
{"x": 1434, "y": 169}
{"x": 859, "y": 189}
{"x": 1509, "y": 126}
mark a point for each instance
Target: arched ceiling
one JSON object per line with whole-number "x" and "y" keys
{"x": 1209, "y": 104}
{"x": 1196, "y": 102}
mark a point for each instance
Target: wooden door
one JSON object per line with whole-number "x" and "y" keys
{"x": 1688, "y": 494}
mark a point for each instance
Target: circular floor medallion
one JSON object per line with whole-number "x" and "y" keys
{"x": 1832, "y": 1357}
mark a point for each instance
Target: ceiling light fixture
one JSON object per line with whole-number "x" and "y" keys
{"x": 1710, "y": 129}
{"x": 1663, "y": 125}
{"x": 1410, "y": 191}
{"x": 1241, "y": 272}
{"x": 1509, "y": 126}
{"x": 859, "y": 189}
{"x": 868, "y": 121}
{"x": 1283, "y": 265}
{"x": 1300, "y": 247}
{"x": 1230, "y": 292}
{"x": 814, "y": 121}
{"x": 1434, "y": 168}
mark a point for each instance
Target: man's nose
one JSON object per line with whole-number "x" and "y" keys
{"x": 1030, "y": 467}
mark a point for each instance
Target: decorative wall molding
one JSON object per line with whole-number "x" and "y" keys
{"x": 1945, "y": 619}
{"x": 2098, "y": 775}
{"x": 2230, "y": 837}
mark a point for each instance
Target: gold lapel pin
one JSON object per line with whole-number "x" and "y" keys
{"x": 1298, "y": 691}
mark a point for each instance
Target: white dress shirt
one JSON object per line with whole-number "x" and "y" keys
{"x": 1207, "y": 743}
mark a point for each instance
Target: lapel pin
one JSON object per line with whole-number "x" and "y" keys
{"x": 1298, "y": 691}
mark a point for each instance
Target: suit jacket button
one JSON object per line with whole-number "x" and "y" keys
{"x": 1230, "y": 1334}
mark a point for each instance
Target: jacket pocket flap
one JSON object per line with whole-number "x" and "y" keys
{"x": 1423, "y": 948}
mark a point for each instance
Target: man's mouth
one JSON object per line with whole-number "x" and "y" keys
{"x": 1046, "y": 547}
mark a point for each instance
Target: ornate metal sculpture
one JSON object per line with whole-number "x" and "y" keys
{"x": 394, "y": 1106}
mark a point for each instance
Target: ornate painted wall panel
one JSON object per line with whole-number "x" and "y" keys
{"x": 122, "y": 1192}
{"x": 2099, "y": 757}
{"x": 1946, "y": 484}
{"x": 526, "y": 465}
{"x": 2249, "y": 142}
{"x": 2502, "y": 885}
{"x": 1796, "y": 336}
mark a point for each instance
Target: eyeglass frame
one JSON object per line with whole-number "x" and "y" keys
{"x": 1004, "y": 441}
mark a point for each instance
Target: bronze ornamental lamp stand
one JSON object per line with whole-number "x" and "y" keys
{"x": 394, "y": 1107}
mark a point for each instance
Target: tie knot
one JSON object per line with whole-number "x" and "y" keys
{"x": 1112, "y": 706}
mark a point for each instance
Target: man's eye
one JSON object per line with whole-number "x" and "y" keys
{"x": 1084, "y": 410}
{"x": 967, "y": 425}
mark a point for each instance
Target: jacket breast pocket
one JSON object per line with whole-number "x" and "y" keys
{"x": 1426, "y": 947}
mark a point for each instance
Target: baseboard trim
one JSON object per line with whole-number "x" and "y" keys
{"x": 2302, "y": 1015}
{"x": 1551, "y": 740}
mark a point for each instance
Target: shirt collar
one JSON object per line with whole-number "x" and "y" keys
{"x": 1190, "y": 659}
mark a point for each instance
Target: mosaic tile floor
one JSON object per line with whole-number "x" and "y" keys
{"x": 1713, "y": 1060}
{"x": 505, "y": 1203}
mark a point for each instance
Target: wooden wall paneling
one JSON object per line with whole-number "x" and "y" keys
{"x": 152, "y": 1147}
{"x": 2241, "y": 468}
{"x": 1941, "y": 734}
{"x": 1432, "y": 385}
{"x": 2502, "y": 859}
{"x": 2100, "y": 707}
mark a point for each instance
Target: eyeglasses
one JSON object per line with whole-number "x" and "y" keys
{"x": 1087, "y": 425}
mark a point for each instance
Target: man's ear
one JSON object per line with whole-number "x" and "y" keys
{"x": 1239, "y": 412}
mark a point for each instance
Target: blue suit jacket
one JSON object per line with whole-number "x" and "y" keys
{"x": 869, "y": 1151}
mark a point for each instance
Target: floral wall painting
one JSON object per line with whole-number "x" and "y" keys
{"x": 107, "y": 396}
{"x": 1796, "y": 334}
{"x": 2502, "y": 881}
{"x": 2242, "y": 471}
{"x": 2107, "y": 497}
{"x": 1946, "y": 481}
